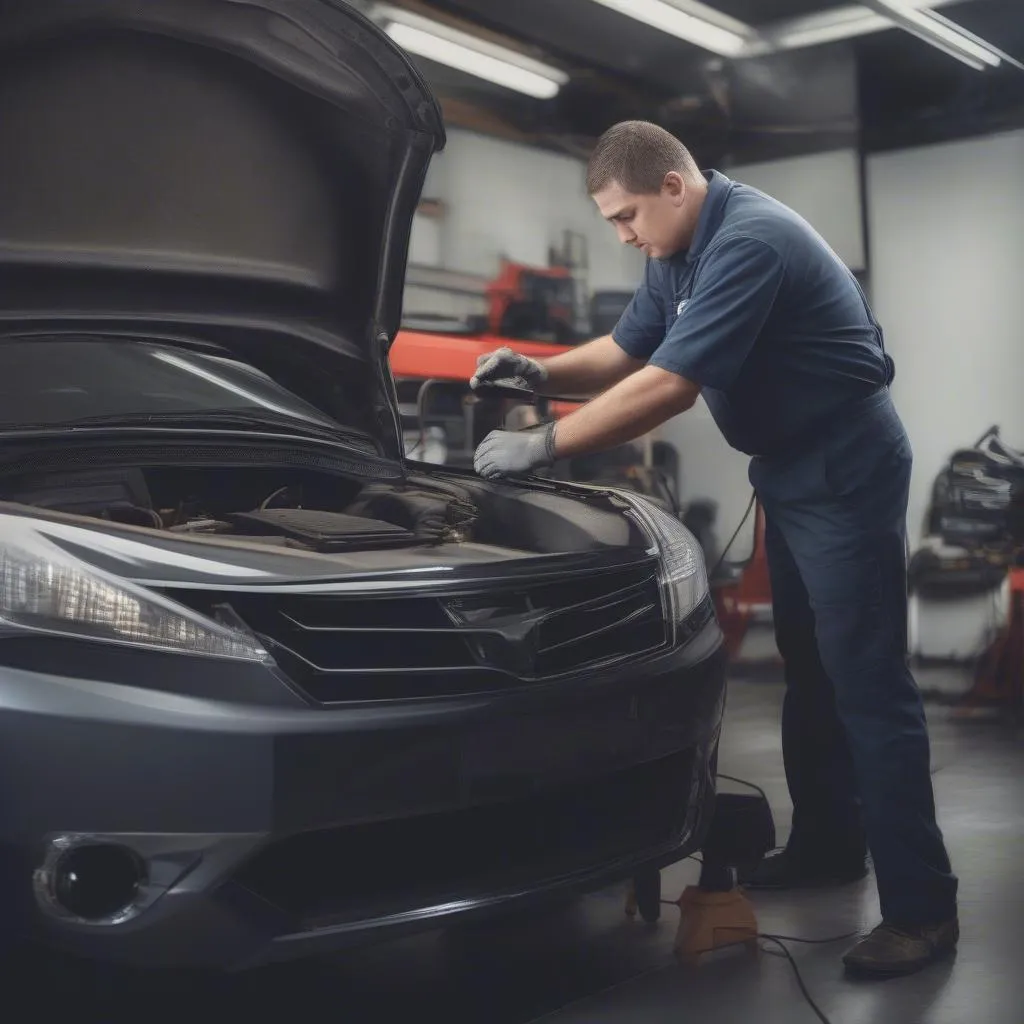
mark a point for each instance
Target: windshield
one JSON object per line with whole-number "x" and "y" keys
{"x": 64, "y": 382}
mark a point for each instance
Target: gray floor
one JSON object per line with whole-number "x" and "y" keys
{"x": 588, "y": 963}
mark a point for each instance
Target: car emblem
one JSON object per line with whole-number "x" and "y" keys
{"x": 505, "y": 638}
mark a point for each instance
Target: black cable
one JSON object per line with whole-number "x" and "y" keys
{"x": 421, "y": 414}
{"x": 780, "y": 941}
{"x": 743, "y": 782}
{"x": 670, "y": 491}
{"x": 799, "y": 977}
{"x": 812, "y": 942}
{"x": 736, "y": 533}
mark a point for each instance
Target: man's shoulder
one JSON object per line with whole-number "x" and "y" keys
{"x": 755, "y": 218}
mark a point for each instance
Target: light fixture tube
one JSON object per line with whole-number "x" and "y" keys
{"x": 474, "y": 56}
{"x": 940, "y": 33}
{"x": 672, "y": 18}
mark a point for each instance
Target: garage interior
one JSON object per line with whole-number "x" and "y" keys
{"x": 905, "y": 150}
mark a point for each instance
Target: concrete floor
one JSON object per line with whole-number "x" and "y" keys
{"x": 588, "y": 963}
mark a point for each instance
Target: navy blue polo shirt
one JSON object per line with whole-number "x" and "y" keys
{"x": 763, "y": 315}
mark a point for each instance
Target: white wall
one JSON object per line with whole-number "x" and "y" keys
{"x": 509, "y": 200}
{"x": 425, "y": 246}
{"x": 946, "y": 229}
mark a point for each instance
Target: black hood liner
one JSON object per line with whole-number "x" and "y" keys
{"x": 222, "y": 169}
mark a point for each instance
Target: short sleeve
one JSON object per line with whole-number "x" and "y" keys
{"x": 733, "y": 296}
{"x": 641, "y": 328}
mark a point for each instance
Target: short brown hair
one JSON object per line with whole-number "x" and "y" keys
{"x": 637, "y": 155}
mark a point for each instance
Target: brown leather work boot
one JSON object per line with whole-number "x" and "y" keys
{"x": 890, "y": 951}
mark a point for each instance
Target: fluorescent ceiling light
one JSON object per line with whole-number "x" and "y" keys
{"x": 833, "y": 25}
{"x": 474, "y": 56}
{"x": 675, "y": 18}
{"x": 826, "y": 27}
{"x": 939, "y": 32}
{"x": 935, "y": 16}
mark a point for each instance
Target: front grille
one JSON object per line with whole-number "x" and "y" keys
{"x": 361, "y": 871}
{"x": 340, "y": 648}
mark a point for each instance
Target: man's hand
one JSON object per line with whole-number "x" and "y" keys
{"x": 504, "y": 364}
{"x": 511, "y": 452}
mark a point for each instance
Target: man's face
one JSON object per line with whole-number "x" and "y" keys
{"x": 657, "y": 223}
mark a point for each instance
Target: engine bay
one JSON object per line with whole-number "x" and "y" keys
{"x": 326, "y": 512}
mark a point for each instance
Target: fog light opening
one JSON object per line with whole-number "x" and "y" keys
{"x": 96, "y": 882}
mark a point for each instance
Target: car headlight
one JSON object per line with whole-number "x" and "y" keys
{"x": 44, "y": 589}
{"x": 684, "y": 575}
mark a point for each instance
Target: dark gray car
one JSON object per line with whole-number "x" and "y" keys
{"x": 267, "y": 687}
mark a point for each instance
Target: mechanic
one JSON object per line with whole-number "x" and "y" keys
{"x": 743, "y": 303}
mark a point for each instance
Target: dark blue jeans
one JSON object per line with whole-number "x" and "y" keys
{"x": 854, "y": 735}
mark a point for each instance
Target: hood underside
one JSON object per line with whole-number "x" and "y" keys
{"x": 243, "y": 172}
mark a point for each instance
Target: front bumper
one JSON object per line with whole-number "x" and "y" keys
{"x": 272, "y": 833}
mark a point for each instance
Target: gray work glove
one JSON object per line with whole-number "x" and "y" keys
{"x": 511, "y": 452}
{"x": 504, "y": 364}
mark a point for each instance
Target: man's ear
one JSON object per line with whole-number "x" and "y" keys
{"x": 674, "y": 187}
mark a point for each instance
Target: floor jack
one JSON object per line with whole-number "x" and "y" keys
{"x": 715, "y": 913}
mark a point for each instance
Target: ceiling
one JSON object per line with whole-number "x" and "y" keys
{"x": 880, "y": 90}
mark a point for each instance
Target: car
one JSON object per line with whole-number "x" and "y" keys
{"x": 268, "y": 688}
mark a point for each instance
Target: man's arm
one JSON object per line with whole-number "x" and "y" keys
{"x": 706, "y": 346}
{"x": 588, "y": 369}
{"x": 630, "y": 409}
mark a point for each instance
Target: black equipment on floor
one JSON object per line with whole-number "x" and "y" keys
{"x": 973, "y": 495}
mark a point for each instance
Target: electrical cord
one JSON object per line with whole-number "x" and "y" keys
{"x": 736, "y": 533}
{"x": 743, "y": 782}
{"x": 421, "y": 415}
{"x": 785, "y": 953}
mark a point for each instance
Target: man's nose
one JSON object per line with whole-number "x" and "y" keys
{"x": 626, "y": 234}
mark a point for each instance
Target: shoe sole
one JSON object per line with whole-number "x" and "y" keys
{"x": 863, "y": 972}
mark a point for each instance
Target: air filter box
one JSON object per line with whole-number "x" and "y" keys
{"x": 322, "y": 531}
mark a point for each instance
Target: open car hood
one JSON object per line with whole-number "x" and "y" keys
{"x": 240, "y": 173}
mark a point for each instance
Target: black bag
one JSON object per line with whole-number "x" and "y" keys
{"x": 973, "y": 495}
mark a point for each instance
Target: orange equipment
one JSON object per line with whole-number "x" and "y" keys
{"x": 523, "y": 301}
{"x": 711, "y": 921}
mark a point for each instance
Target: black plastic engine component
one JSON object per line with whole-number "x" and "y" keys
{"x": 86, "y": 492}
{"x": 429, "y": 515}
{"x": 323, "y": 531}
